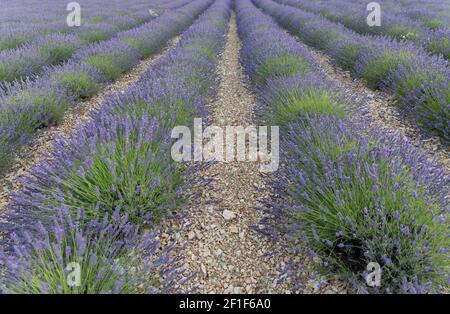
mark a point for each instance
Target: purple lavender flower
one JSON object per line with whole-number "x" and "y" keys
{"x": 37, "y": 268}
{"x": 347, "y": 177}
{"x": 384, "y": 63}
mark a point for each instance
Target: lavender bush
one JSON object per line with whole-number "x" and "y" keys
{"x": 55, "y": 47}
{"x": 296, "y": 85}
{"x": 84, "y": 74}
{"x": 44, "y": 102}
{"x": 346, "y": 193}
{"x": 439, "y": 42}
{"x": 15, "y": 40}
{"x": 116, "y": 163}
{"x": 24, "y": 23}
{"x": 81, "y": 81}
{"x": 31, "y": 59}
{"x": 110, "y": 58}
{"x": 416, "y": 24}
{"x": 382, "y": 62}
{"x": 124, "y": 160}
{"x": 51, "y": 49}
{"x": 112, "y": 254}
{"x": 358, "y": 198}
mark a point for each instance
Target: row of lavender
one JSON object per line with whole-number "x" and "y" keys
{"x": 56, "y": 47}
{"x": 350, "y": 195}
{"x": 27, "y": 107}
{"x": 26, "y": 27}
{"x": 118, "y": 169}
{"x": 35, "y": 12}
{"x": 431, "y": 30}
{"x": 24, "y": 22}
{"x": 421, "y": 90}
{"x": 435, "y": 13}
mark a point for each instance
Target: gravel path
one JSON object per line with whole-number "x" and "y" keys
{"x": 32, "y": 153}
{"x": 225, "y": 252}
{"x": 384, "y": 112}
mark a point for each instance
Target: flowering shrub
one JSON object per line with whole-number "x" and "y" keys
{"x": 84, "y": 74}
{"x": 13, "y": 40}
{"x": 439, "y": 42}
{"x": 382, "y": 62}
{"x": 346, "y": 193}
{"x": 52, "y": 49}
{"x": 304, "y": 94}
{"x": 81, "y": 81}
{"x": 24, "y": 22}
{"x": 109, "y": 163}
{"x": 122, "y": 158}
{"x": 117, "y": 163}
{"x": 31, "y": 59}
{"x": 110, "y": 58}
{"x": 403, "y": 22}
{"x": 358, "y": 199}
{"x": 109, "y": 253}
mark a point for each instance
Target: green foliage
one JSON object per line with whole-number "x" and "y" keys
{"x": 106, "y": 64}
{"x": 55, "y": 52}
{"x": 97, "y": 19}
{"x": 12, "y": 71}
{"x": 347, "y": 20}
{"x": 322, "y": 38}
{"x": 281, "y": 65}
{"x": 106, "y": 265}
{"x": 378, "y": 69}
{"x": 218, "y": 23}
{"x": 3, "y": 72}
{"x": 349, "y": 56}
{"x": 13, "y": 42}
{"x": 81, "y": 86}
{"x": 140, "y": 45}
{"x": 139, "y": 186}
{"x": 433, "y": 23}
{"x": 296, "y": 103}
{"x": 401, "y": 31}
{"x": 441, "y": 46}
{"x": 433, "y": 107}
{"x": 203, "y": 49}
{"x": 49, "y": 105}
{"x": 140, "y": 19}
{"x": 170, "y": 113}
{"x": 365, "y": 210}
{"x": 94, "y": 36}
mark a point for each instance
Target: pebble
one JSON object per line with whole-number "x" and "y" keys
{"x": 191, "y": 235}
{"x": 217, "y": 252}
{"x": 203, "y": 269}
{"x": 228, "y": 214}
{"x": 198, "y": 234}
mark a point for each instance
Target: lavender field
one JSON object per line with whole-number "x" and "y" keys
{"x": 225, "y": 147}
